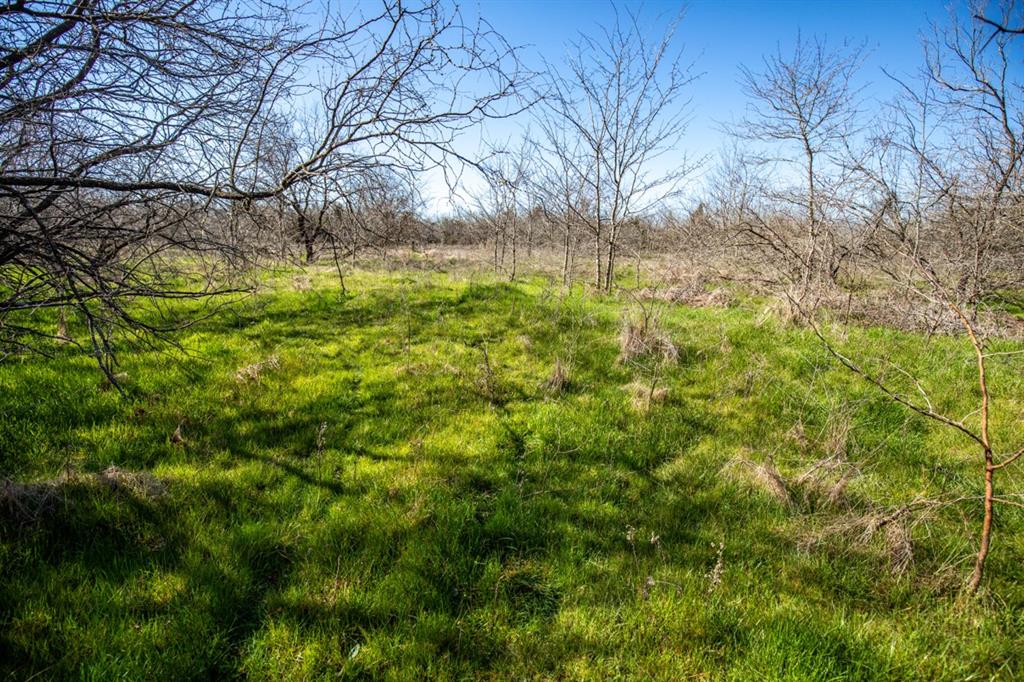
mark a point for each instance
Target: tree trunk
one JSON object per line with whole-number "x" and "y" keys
{"x": 308, "y": 238}
{"x": 811, "y": 265}
{"x": 512, "y": 274}
{"x": 565, "y": 254}
{"x": 495, "y": 251}
{"x": 574, "y": 245}
{"x": 597, "y": 205}
{"x": 609, "y": 266}
{"x": 986, "y": 442}
{"x": 986, "y": 527}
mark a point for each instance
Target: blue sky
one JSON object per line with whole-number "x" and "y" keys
{"x": 719, "y": 37}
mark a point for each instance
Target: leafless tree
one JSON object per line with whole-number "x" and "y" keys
{"x": 623, "y": 96}
{"x": 130, "y": 131}
{"x": 505, "y": 200}
{"x": 560, "y": 185}
{"x": 944, "y": 186}
{"x": 806, "y": 99}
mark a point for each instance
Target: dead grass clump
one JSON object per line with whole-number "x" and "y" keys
{"x": 900, "y": 547}
{"x": 767, "y": 477}
{"x": 823, "y": 485}
{"x": 30, "y": 502}
{"x": 559, "y": 380}
{"x": 835, "y": 495}
{"x": 819, "y": 494}
{"x": 893, "y": 525}
{"x": 641, "y": 336}
{"x": 644, "y": 396}
{"x": 254, "y": 373}
{"x": 691, "y": 290}
{"x": 139, "y": 483}
{"x": 717, "y": 298}
{"x": 27, "y": 501}
{"x": 770, "y": 478}
{"x": 837, "y": 436}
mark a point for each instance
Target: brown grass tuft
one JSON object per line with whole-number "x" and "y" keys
{"x": 29, "y": 502}
{"x": 559, "y": 380}
{"x": 767, "y": 477}
{"x": 254, "y": 373}
{"x": 860, "y": 528}
{"x": 644, "y": 396}
{"x": 901, "y": 549}
{"x": 640, "y": 336}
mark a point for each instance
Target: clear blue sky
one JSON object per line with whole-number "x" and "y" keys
{"x": 720, "y": 36}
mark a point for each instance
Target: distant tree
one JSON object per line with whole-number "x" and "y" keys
{"x": 560, "y": 184}
{"x": 623, "y": 95}
{"x": 806, "y": 99}
{"x": 505, "y": 200}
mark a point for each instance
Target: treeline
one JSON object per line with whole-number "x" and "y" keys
{"x": 245, "y": 134}
{"x": 818, "y": 185}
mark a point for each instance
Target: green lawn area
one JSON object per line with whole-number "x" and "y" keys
{"x": 389, "y": 490}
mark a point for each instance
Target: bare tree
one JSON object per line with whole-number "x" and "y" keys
{"x": 505, "y": 200}
{"x": 623, "y": 96}
{"x": 128, "y": 131}
{"x": 979, "y": 168}
{"x": 806, "y": 99}
{"x": 944, "y": 186}
{"x": 560, "y": 185}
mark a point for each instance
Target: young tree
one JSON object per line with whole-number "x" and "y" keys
{"x": 624, "y": 96}
{"x": 946, "y": 179}
{"x": 807, "y": 100}
{"x": 505, "y": 200}
{"x": 560, "y": 185}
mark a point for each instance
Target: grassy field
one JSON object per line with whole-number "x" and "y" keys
{"x": 388, "y": 485}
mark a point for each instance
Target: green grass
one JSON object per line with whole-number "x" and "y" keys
{"x": 458, "y": 523}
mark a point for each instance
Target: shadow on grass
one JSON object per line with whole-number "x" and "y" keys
{"x": 427, "y": 526}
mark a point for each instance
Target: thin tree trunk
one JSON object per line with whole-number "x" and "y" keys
{"x": 986, "y": 443}
{"x": 512, "y": 275}
{"x": 597, "y": 201}
{"x": 608, "y": 265}
{"x": 565, "y": 254}
{"x": 810, "y": 266}
{"x": 573, "y": 247}
{"x": 986, "y": 527}
{"x": 613, "y": 241}
{"x": 986, "y": 524}
{"x": 495, "y": 251}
